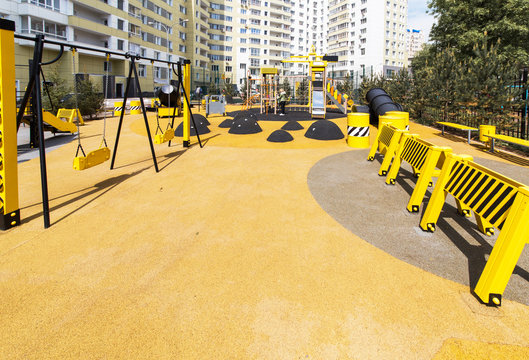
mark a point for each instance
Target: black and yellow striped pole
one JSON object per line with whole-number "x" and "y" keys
{"x": 9, "y": 210}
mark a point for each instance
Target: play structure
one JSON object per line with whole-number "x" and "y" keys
{"x": 269, "y": 90}
{"x": 317, "y": 81}
{"x": 10, "y": 214}
{"x": 341, "y": 100}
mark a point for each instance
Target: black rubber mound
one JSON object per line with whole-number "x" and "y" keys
{"x": 226, "y": 123}
{"x": 202, "y": 118}
{"x": 324, "y": 130}
{"x": 201, "y": 125}
{"x": 280, "y": 136}
{"x": 244, "y": 125}
{"x": 292, "y": 125}
{"x": 245, "y": 114}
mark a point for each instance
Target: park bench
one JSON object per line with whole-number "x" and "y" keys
{"x": 468, "y": 129}
{"x": 508, "y": 139}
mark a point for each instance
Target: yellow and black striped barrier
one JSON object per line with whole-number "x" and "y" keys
{"x": 118, "y": 108}
{"x": 9, "y": 208}
{"x": 135, "y": 107}
{"x": 358, "y": 130}
{"x": 497, "y": 202}
{"x": 425, "y": 158}
{"x": 388, "y": 139}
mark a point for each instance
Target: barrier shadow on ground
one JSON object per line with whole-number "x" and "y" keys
{"x": 477, "y": 255}
{"x": 510, "y": 157}
{"x": 452, "y": 137}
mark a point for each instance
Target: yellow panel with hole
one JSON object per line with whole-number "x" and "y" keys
{"x": 167, "y": 135}
{"x": 93, "y": 158}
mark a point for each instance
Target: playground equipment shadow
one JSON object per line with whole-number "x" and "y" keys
{"x": 226, "y": 253}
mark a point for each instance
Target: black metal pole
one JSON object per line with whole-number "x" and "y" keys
{"x": 524, "y": 107}
{"x": 37, "y": 58}
{"x": 136, "y": 78}
{"x": 172, "y": 121}
{"x": 121, "y": 116}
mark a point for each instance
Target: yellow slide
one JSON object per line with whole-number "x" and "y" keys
{"x": 57, "y": 123}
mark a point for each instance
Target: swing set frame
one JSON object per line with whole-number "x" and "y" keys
{"x": 34, "y": 90}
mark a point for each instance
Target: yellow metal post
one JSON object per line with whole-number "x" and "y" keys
{"x": 187, "y": 111}
{"x": 9, "y": 210}
{"x": 506, "y": 251}
{"x": 438, "y": 198}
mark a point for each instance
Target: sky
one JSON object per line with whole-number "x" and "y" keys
{"x": 418, "y": 18}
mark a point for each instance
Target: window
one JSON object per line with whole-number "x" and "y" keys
{"x": 121, "y": 24}
{"x": 142, "y": 71}
{"x": 121, "y": 44}
{"x": 228, "y": 68}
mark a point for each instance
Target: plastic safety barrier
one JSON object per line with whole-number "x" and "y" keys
{"x": 387, "y": 141}
{"x": 425, "y": 158}
{"x": 497, "y": 201}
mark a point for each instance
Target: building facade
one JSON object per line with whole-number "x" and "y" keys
{"x": 414, "y": 43}
{"x": 225, "y": 39}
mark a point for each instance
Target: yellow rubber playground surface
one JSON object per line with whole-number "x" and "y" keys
{"x": 224, "y": 254}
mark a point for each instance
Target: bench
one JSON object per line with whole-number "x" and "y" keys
{"x": 508, "y": 139}
{"x": 468, "y": 129}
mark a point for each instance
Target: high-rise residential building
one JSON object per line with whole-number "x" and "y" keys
{"x": 367, "y": 36}
{"x": 308, "y": 24}
{"x": 414, "y": 42}
{"x": 151, "y": 28}
{"x": 224, "y": 39}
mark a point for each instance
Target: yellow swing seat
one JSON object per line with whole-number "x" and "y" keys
{"x": 167, "y": 135}
{"x": 93, "y": 158}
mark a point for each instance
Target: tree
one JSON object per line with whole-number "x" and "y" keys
{"x": 57, "y": 91}
{"x": 244, "y": 88}
{"x": 302, "y": 92}
{"x": 89, "y": 100}
{"x": 346, "y": 86}
{"x": 461, "y": 24}
{"x": 488, "y": 84}
{"x": 286, "y": 86}
{"x": 399, "y": 87}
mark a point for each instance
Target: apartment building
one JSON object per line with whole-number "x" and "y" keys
{"x": 308, "y": 27}
{"x": 368, "y": 36}
{"x": 414, "y": 42}
{"x": 224, "y": 39}
{"x": 151, "y": 28}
